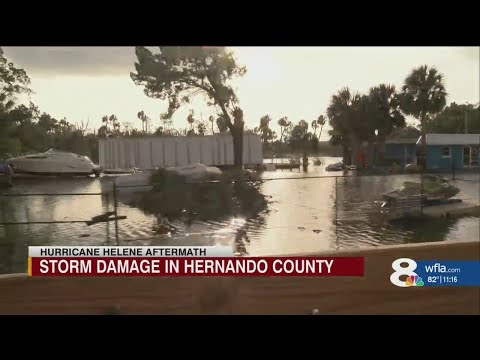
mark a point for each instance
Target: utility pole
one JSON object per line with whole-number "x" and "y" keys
{"x": 466, "y": 122}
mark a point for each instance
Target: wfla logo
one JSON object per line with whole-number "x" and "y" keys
{"x": 412, "y": 278}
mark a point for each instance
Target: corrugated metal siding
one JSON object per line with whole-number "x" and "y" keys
{"x": 150, "y": 152}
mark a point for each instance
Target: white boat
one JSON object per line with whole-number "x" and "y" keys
{"x": 141, "y": 180}
{"x": 196, "y": 171}
{"x": 53, "y": 162}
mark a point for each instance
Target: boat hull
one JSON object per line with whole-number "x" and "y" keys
{"x": 53, "y": 163}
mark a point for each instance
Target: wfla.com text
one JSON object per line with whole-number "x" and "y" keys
{"x": 439, "y": 268}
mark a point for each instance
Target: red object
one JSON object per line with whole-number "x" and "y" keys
{"x": 361, "y": 160}
{"x": 190, "y": 266}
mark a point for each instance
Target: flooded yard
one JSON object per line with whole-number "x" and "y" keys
{"x": 305, "y": 214}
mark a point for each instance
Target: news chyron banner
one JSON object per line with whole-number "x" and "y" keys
{"x": 411, "y": 273}
{"x": 179, "y": 261}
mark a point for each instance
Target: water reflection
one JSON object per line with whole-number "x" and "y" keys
{"x": 300, "y": 217}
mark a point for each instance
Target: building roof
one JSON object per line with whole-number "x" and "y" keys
{"x": 451, "y": 139}
{"x": 402, "y": 141}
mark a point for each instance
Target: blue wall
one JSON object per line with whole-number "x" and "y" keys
{"x": 435, "y": 160}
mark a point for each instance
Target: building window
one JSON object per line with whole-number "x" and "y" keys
{"x": 446, "y": 151}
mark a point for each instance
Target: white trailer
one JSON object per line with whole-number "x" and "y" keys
{"x": 124, "y": 154}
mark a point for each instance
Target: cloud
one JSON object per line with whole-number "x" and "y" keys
{"x": 73, "y": 61}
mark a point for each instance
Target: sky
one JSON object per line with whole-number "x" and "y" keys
{"x": 86, "y": 83}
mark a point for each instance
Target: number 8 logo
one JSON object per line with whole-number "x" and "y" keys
{"x": 400, "y": 271}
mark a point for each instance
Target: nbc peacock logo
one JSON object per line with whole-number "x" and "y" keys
{"x": 414, "y": 280}
{"x": 405, "y": 276}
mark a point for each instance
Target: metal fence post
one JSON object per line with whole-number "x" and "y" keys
{"x": 115, "y": 209}
{"x": 336, "y": 209}
{"x": 107, "y": 223}
{"x": 453, "y": 169}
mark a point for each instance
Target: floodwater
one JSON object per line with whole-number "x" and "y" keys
{"x": 305, "y": 214}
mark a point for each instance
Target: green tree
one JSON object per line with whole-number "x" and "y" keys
{"x": 13, "y": 82}
{"x": 453, "y": 118}
{"x": 299, "y": 136}
{"x": 384, "y": 115}
{"x": 222, "y": 125}
{"x": 348, "y": 116}
{"x": 423, "y": 95}
{"x": 179, "y": 73}
{"x": 407, "y": 132}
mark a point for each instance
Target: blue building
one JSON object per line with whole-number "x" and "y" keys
{"x": 448, "y": 151}
{"x": 401, "y": 151}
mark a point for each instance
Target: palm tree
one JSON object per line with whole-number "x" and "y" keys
{"x": 141, "y": 115}
{"x": 191, "y": 121}
{"x": 314, "y": 127}
{"x": 263, "y": 128}
{"x": 321, "y": 121}
{"x": 115, "y": 124}
{"x": 423, "y": 95}
{"x": 343, "y": 112}
{"x": 212, "y": 121}
{"x": 283, "y": 123}
{"x": 105, "y": 122}
{"x": 145, "y": 119}
{"x": 385, "y": 115}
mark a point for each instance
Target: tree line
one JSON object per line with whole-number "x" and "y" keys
{"x": 179, "y": 74}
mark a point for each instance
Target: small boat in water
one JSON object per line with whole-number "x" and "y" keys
{"x": 142, "y": 180}
{"x": 196, "y": 171}
{"x": 53, "y": 162}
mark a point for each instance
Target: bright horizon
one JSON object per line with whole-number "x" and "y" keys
{"x": 82, "y": 83}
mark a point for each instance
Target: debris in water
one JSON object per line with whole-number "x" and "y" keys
{"x": 316, "y": 231}
{"x": 301, "y": 228}
{"x": 164, "y": 228}
{"x": 84, "y": 235}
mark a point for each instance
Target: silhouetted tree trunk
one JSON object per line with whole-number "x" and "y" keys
{"x": 346, "y": 155}
{"x": 355, "y": 147}
{"x": 237, "y": 136}
{"x": 370, "y": 153}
